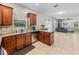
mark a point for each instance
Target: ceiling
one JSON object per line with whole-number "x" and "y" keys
{"x": 62, "y": 11}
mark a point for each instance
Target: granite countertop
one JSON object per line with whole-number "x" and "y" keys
{"x": 10, "y": 34}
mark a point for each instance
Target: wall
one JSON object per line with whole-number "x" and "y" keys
{"x": 42, "y": 19}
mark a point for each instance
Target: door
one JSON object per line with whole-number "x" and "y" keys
{"x": 47, "y": 38}
{"x": 7, "y": 15}
{"x": 31, "y": 19}
{"x": 9, "y": 44}
{"x": 52, "y": 38}
{"x": 28, "y": 38}
{"x": 34, "y": 19}
{"x": 20, "y": 41}
{"x": 41, "y": 36}
{"x": 0, "y": 14}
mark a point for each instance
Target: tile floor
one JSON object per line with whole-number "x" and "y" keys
{"x": 65, "y": 43}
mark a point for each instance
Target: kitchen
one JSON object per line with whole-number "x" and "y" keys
{"x": 39, "y": 28}
{"x": 20, "y": 27}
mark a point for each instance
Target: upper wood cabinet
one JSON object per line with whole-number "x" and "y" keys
{"x": 31, "y": 18}
{"x": 6, "y": 15}
{"x": 0, "y": 14}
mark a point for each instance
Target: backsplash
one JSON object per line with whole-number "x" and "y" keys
{"x": 11, "y": 29}
{"x": 7, "y": 29}
{"x": 14, "y": 29}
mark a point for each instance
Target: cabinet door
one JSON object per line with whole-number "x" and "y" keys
{"x": 34, "y": 19}
{"x": 0, "y": 14}
{"x": 20, "y": 41}
{"x": 9, "y": 44}
{"x": 28, "y": 38}
{"x": 47, "y": 38}
{"x": 7, "y": 15}
{"x": 41, "y": 36}
{"x": 31, "y": 19}
{"x": 52, "y": 38}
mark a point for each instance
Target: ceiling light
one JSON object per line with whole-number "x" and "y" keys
{"x": 36, "y": 4}
{"x": 60, "y": 12}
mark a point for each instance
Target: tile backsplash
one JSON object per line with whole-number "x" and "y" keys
{"x": 7, "y": 29}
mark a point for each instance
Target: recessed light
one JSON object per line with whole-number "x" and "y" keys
{"x": 36, "y": 4}
{"x": 60, "y": 12}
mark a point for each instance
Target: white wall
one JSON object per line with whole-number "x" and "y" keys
{"x": 41, "y": 19}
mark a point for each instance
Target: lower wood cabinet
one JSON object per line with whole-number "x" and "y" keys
{"x": 20, "y": 41}
{"x": 41, "y": 36}
{"x": 46, "y": 37}
{"x": 12, "y": 43}
{"x": 9, "y": 44}
{"x": 28, "y": 38}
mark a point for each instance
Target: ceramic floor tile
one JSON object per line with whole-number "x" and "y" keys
{"x": 65, "y": 43}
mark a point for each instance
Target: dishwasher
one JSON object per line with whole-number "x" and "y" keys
{"x": 34, "y": 36}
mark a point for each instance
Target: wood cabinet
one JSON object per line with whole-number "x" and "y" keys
{"x": 46, "y": 37}
{"x": 9, "y": 44}
{"x": 0, "y": 14}
{"x": 34, "y": 19}
{"x": 41, "y": 36}
{"x": 31, "y": 18}
{"x": 20, "y": 41}
{"x": 6, "y": 15}
{"x": 28, "y": 38}
{"x": 12, "y": 43}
